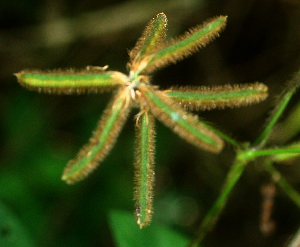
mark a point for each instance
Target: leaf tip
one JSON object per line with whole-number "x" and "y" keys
{"x": 140, "y": 220}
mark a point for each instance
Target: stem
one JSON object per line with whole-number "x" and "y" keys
{"x": 213, "y": 214}
{"x": 290, "y": 125}
{"x": 251, "y": 154}
{"x": 280, "y": 107}
{"x": 225, "y": 137}
{"x": 282, "y": 182}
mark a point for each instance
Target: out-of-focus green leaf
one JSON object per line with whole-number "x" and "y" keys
{"x": 12, "y": 232}
{"x": 127, "y": 234}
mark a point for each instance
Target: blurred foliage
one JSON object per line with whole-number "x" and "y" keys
{"x": 123, "y": 226}
{"x": 12, "y": 232}
{"x": 40, "y": 133}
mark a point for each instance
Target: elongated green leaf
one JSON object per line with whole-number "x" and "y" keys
{"x": 183, "y": 46}
{"x": 90, "y": 80}
{"x": 144, "y": 174}
{"x": 153, "y": 35}
{"x": 184, "y": 124}
{"x": 206, "y": 98}
{"x": 102, "y": 140}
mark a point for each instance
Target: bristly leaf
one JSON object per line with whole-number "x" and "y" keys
{"x": 184, "y": 124}
{"x": 150, "y": 53}
{"x": 102, "y": 140}
{"x": 153, "y": 35}
{"x": 90, "y": 80}
{"x": 207, "y": 98}
{"x": 144, "y": 168}
{"x": 183, "y": 46}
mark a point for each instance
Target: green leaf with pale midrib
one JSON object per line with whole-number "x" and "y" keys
{"x": 185, "y": 45}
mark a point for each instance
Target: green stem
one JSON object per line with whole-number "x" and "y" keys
{"x": 213, "y": 215}
{"x": 251, "y": 154}
{"x": 290, "y": 126}
{"x": 225, "y": 137}
{"x": 282, "y": 182}
{"x": 285, "y": 99}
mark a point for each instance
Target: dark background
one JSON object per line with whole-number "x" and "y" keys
{"x": 40, "y": 133}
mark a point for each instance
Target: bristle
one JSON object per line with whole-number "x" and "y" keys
{"x": 102, "y": 140}
{"x": 153, "y": 35}
{"x": 71, "y": 81}
{"x": 184, "y": 124}
{"x": 208, "y": 98}
{"x": 144, "y": 169}
{"x": 183, "y": 46}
